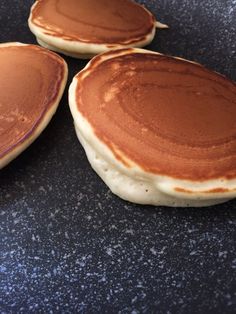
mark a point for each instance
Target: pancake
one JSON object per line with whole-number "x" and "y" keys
{"x": 84, "y": 28}
{"x": 32, "y": 81}
{"x": 162, "y": 122}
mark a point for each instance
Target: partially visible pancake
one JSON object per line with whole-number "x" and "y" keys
{"x": 84, "y": 28}
{"x": 160, "y": 120}
{"x": 32, "y": 81}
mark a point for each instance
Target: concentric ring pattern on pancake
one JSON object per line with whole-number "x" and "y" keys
{"x": 159, "y": 122}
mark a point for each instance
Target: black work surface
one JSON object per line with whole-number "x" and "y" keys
{"x": 68, "y": 245}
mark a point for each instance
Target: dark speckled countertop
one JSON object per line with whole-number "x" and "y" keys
{"x": 69, "y": 246}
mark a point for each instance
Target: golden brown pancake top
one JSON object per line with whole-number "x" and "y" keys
{"x": 169, "y": 116}
{"x": 96, "y": 21}
{"x": 30, "y": 80}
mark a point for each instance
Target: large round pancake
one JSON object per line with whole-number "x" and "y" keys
{"x": 84, "y": 28}
{"x": 189, "y": 151}
{"x": 32, "y": 81}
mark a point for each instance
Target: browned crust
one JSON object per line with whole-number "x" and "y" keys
{"x": 110, "y": 45}
{"x": 99, "y": 59}
{"x": 49, "y": 105}
{"x": 211, "y": 191}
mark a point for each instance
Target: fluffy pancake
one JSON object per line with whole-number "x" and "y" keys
{"x": 32, "y": 81}
{"x": 135, "y": 190}
{"x": 84, "y": 28}
{"x": 160, "y": 120}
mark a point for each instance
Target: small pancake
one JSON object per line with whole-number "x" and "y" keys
{"x": 162, "y": 120}
{"x": 84, "y": 28}
{"x": 32, "y": 81}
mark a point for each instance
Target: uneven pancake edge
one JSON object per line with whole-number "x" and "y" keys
{"x": 190, "y": 189}
{"x": 136, "y": 190}
{"x": 41, "y": 123}
{"x": 77, "y": 48}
